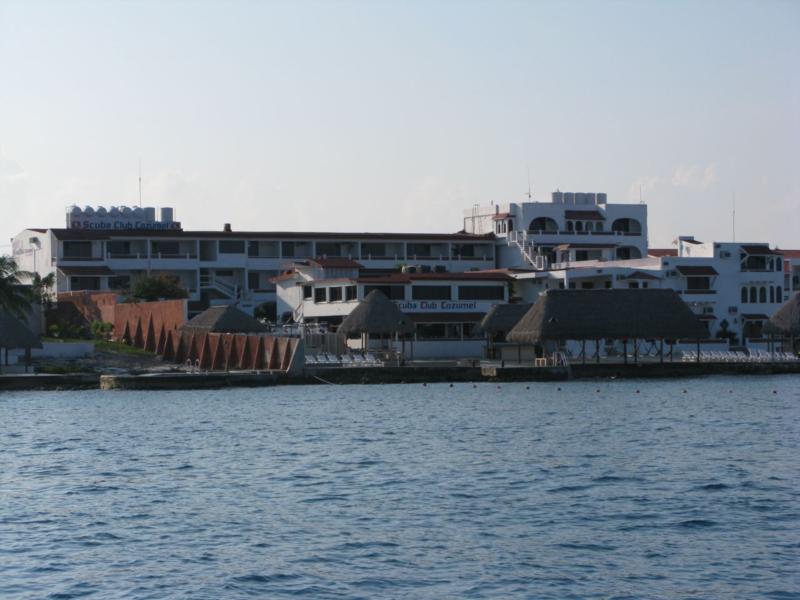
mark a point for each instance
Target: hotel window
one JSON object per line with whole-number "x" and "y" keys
{"x": 698, "y": 283}
{"x": 587, "y": 285}
{"x": 262, "y": 249}
{"x": 119, "y": 282}
{"x": 373, "y": 250}
{"x": 165, "y": 248}
{"x": 308, "y": 292}
{"x": 430, "y": 292}
{"x": 77, "y": 249}
{"x": 481, "y": 292}
{"x": 463, "y": 250}
{"x": 779, "y": 294}
{"x": 744, "y": 295}
{"x": 772, "y": 294}
{"x": 753, "y": 295}
{"x": 320, "y": 295}
{"x": 118, "y": 248}
{"x": 762, "y": 294}
{"x": 253, "y": 280}
{"x": 350, "y": 293}
{"x": 231, "y": 246}
{"x": 419, "y": 250}
{"x": 84, "y": 283}
{"x": 329, "y": 249}
{"x": 335, "y": 294}
{"x": 393, "y": 292}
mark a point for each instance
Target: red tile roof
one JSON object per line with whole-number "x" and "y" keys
{"x": 789, "y": 253}
{"x": 501, "y": 216}
{"x": 659, "y": 252}
{"x": 758, "y": 250}
{"x": 642, "y": 275}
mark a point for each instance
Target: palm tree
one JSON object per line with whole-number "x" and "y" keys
{"x": 15, "y": 298}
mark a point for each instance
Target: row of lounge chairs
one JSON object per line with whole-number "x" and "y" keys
{"x": 325, "y": 359}
{"x": 755, "y": 356}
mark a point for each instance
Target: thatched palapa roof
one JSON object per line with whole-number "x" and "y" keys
{"x": 611, "y": 314}
{"x": 786, "y": 320}
{"x": 378, "y": 315}
{"x": 15, "y": 334}
{"x": 501, "y": 318}
{"x": 223, "y": 319}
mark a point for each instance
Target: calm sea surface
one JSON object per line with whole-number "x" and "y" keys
{"x": 406, "y": 491}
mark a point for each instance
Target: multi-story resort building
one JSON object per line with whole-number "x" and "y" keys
{"x": 446, "y": 281}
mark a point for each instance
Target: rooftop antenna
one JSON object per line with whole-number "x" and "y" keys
{"x": 529, "y": 184}
{"x": 140, "y": 183}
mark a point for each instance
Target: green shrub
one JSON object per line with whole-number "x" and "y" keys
{"x": 102, "y": 330}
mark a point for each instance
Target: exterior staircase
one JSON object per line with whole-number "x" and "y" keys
{"x": 526, "y": 247}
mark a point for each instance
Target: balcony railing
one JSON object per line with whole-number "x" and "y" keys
{"x": 81, "y": 258}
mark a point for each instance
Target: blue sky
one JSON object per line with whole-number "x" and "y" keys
{"x": 395, "y": 116}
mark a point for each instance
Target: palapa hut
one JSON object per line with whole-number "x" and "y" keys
{"x": 223, "y": 319}
{"x": 15, "y": 334}
{"x": 786, "y": 321}
{"x": 376, "y": 315}
{"x": 499, "y": 321}
{"x": 615, "y": 314}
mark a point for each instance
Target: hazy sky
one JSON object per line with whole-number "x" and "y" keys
{"x": 396, "y": 116}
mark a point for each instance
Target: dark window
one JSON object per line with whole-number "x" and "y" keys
{"x": 587, "y": 285}
{"x": 350, "y": 292}
{"x": 753, "y": 295}
{"x": 439, "y": 331}
{"x": 78, "y": 250}
{"x": 329, "y": 249}
{"x": 481, "y": 292}
{"x": 165, "y": 247}
{"x": 253, "y": 280}
{"x": 633, "y": 285}
{"x": 393, "y": 292}
{"x": 335, "y": 294}
{"x": 430, "y": 292}
{"x": 608, "y": 285}
{"x": 778, "y": 264}
{"x": 373, "y": 249}
{"x": 464, "y": 250}
{"x": 223, "y": 273}
{"x": 778, "y": 294}
{"x": 320, "y": 295}
{"x": 119, "y": 282}
{"x": 698, "y": 283}
{"x": 570, "y": 226}
{"x": 744, "y": 295}
{"x": 231, "y": 247}
{"x": 772, "y": 294}
{"x": 423, "y": 250}
{"x": 572, "y": 285}
{"x": 762, "y": 294}
{"x": 84, "y": 283}
{"x": 307, "y": 292}
{"x": 581, "y": 255}
{"x": 119, "y": 248}
{"x": 578, "y": 226}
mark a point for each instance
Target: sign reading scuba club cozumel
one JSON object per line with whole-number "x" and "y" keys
{"x": 122, "y": 218}
{"x": 437, "y": 305}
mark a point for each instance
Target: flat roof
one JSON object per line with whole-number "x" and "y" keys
{"x": 93, "y": 234}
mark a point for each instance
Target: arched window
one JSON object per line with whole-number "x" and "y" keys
{"x": 626, "y": 226}
{"x": 753, "y": 295}
{"x": 570, "y": 226}
{"x": 772, "y": 295}
{"x": 598, "y": 226}
{"x": 578, "y": 226}
{"x": 779, "y": 294}
{"x": 543, "y": 224}
{"x": 762, "y": 294}
{"x": 744, "y": 295}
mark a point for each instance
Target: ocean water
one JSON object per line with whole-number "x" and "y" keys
{"x": 613, "y": 489}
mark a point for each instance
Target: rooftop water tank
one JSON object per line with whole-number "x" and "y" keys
{"x": 88, "y": 211}
{"x": 558, "y": 197}
{"x": 101, "y": 211}
{"x": 569, "y": 198}
{"x": 149, "y": 214}
{"x": 602, "y": 198}
{"x": 126, "y": 211}
{"x": 138, "y": 212}
{"x": 166, "y": 214}
{"x": 74, "y": 210}
{"x": 114, "y": 212}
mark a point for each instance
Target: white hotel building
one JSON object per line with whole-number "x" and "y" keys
{"x": 516, "y": 250}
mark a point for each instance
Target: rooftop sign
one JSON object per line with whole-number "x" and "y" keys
{"x": 121, "y": 218}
